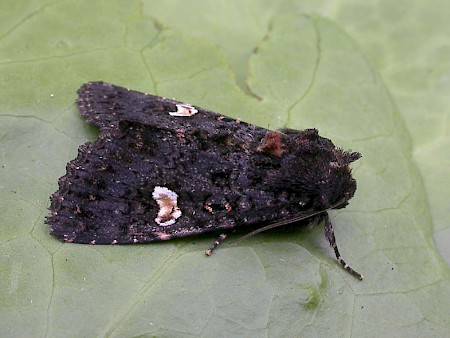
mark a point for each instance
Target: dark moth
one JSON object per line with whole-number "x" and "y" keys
{"x": 162, "y": 169}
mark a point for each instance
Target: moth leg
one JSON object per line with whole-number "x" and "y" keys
{"x": 215, "y": 244}
{"x": 329, "y": 234}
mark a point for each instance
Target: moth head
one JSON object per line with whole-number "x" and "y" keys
{"x": 341, "y": 185}
{"x": 335, "y": 184}
{"x": 313, "y": 167}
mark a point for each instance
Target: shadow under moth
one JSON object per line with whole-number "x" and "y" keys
{"x": 162, "y": 169}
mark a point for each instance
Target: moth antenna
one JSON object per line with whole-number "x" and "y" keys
{"x": 290, "y": 220}
{"x": 278, "y": 224}
{"x": 329, "y": 234}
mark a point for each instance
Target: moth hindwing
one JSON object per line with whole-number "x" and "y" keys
{"x": 162, "y": 169}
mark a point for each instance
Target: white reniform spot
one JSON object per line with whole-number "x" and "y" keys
{"x": 184, "y": 110}
{"x": 167, "y": 202}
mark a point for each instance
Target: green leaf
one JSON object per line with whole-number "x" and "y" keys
{"x": 372, "y": 76}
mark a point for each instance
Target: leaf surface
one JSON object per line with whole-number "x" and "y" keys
{"x": 373, "y": 78}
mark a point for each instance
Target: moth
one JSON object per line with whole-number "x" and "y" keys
{"x": 162, "y": 169}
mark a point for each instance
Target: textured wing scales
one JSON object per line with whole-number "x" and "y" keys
{"x": 210, "y": 162}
